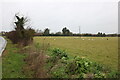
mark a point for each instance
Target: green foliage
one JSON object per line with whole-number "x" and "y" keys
{"x": 64, "y": 67}
{"x": 59, "y": 53}
{"x": 113, "y": 74}
{"x": 59, "y": 72}
{"x": 100, "y": 75}
{"x": 78, "y": 65}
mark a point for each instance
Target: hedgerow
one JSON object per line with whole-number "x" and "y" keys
{"x": 62, "y": 66}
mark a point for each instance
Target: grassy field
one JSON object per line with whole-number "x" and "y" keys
{"x": 103, "y": 50}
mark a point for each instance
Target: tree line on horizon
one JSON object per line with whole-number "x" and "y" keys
{"x": 66, "y": 32}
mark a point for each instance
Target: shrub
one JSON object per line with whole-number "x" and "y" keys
{"x": 63, "y": 66}
{"x": 59, "y": 72}
{"x": 59, "y": 53}
{"x": 79, "y": 65}
{"x": 20, "y": 35}
{"x": 100, "y": 75}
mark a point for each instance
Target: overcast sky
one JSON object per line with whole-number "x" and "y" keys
{"x": 91, "y": 15}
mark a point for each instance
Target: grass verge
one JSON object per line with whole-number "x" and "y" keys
{"x": 13, "y": 62}
{"x": 23, "y": 62}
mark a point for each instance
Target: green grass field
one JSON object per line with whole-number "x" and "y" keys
{"x": 97, "y": 49}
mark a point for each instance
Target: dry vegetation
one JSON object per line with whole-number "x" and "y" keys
{"x": 36, "y": 61}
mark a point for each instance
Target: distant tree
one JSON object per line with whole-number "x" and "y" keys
{"x": 66, "y": 32}
{"x": 87, "y": 34}
{"x": 46, "y": 32}
{"x": 58, "y": 33}
{"x": 99, "y": 34}
{"x": 104, "y": 34}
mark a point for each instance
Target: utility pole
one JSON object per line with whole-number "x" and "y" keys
{"x": 79, "y": 31}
